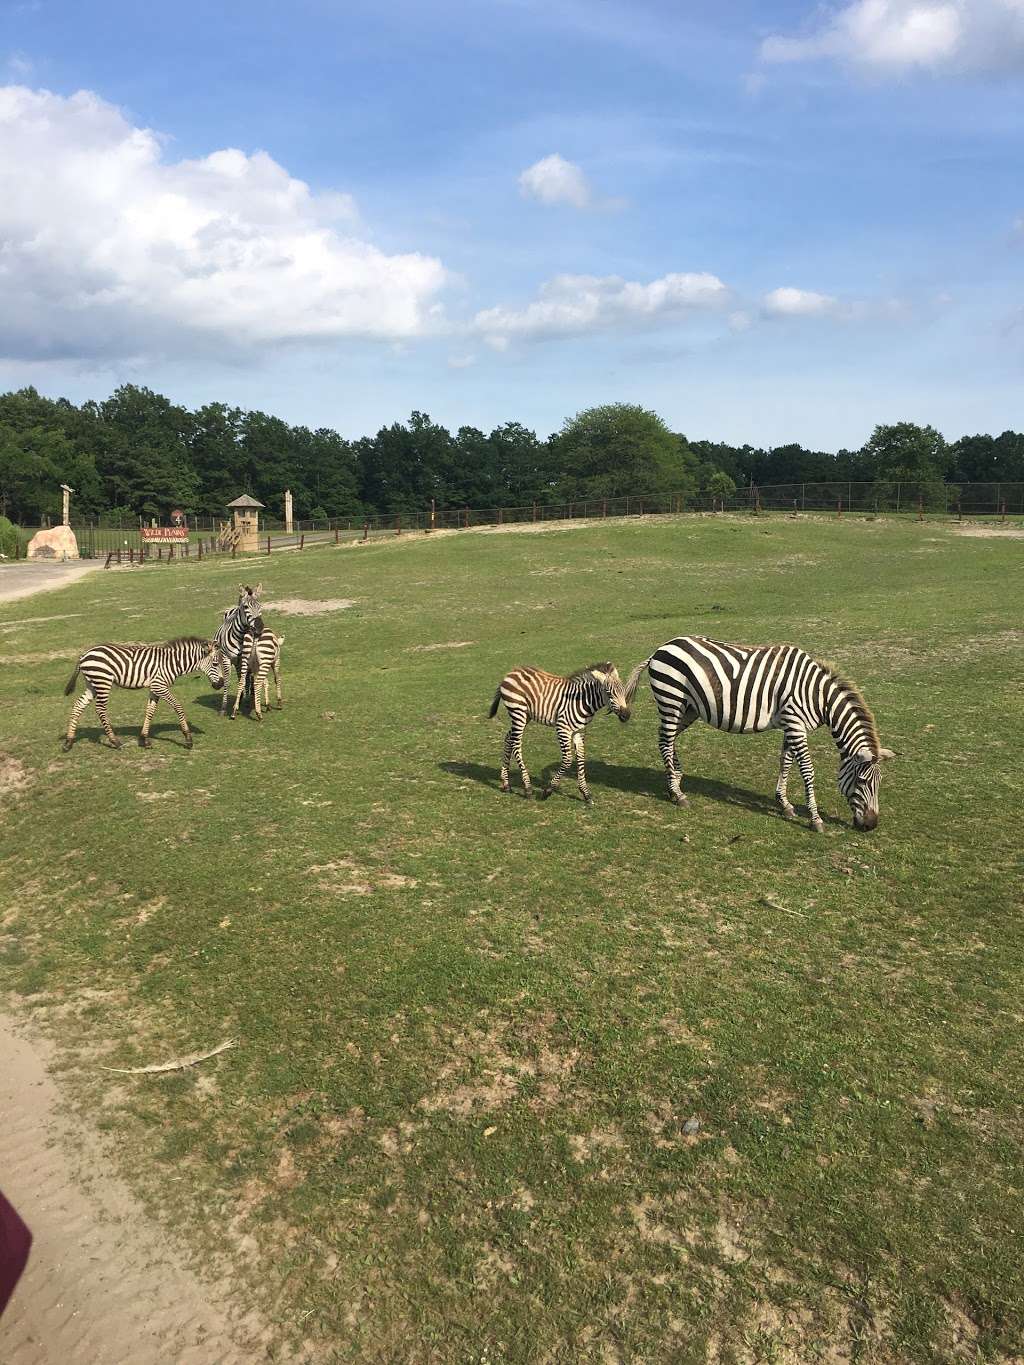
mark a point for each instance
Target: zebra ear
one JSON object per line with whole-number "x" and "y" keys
{"x": 886, "y": 753}
{"x": 257, "y": 590}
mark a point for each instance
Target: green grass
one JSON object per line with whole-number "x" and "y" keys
{"x": 471, "y": 1028}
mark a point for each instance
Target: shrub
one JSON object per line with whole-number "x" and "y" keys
{"x": 10, "y": 539}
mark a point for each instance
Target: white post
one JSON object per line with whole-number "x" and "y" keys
{"x": 288, "y": 525}
{"x": 67, "y": 504}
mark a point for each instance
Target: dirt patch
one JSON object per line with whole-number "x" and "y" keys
{"x": 308, "y": 606}
{"x": 43, "y": 657}
{"x": 103, "y": 1284}
{"x": 14, "y": 776}
{"x": 986, "y": 532}
{"x": 448, "y": 644}
{"x": 343, "y": 877}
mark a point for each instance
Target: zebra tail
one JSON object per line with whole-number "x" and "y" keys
{"x": 494, "y": 705}
{"x": 634, "y": 678}
{"x": 71, "y": 683}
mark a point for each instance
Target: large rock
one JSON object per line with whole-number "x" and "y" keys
{"x": 57, "y": 543}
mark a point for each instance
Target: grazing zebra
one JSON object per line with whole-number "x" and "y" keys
{"x": 240, "y": 622}
{"x": 569, "y": 704}
{"x": 138, "y": 666}
{"x": 261, "y": 656}
{"x": 768, "y": 687}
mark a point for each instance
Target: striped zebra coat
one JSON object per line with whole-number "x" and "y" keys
{"x": 768, "y": 687}
{"x": 261, "y": 656}
{"x": 567, "y": 703}
{"x": 242, "y": 621}
{"x": 141, "y": 666}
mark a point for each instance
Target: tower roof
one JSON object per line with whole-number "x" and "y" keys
{"x": 245, "y": 501}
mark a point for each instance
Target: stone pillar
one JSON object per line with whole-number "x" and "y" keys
{"x": 66, "y": 517}
{"x": 288, "y": 523}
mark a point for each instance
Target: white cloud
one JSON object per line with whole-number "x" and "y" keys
{"x": 461, "y": 362}
{"x": 786, "y": 302}
{"x": 111, "y": 248}
{"x": 573, "y": 305}
{"x": 553, "y": 180}
{"x": 890, "y": 36}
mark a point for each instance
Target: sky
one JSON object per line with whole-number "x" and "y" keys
{"x": 771, "y": 222}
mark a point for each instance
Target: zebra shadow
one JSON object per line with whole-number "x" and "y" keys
{"x": 165, "y": 733}
{"x": 646, "y": 781}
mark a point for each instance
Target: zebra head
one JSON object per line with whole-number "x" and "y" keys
{"x": 607, "y": 676}
{"x": 214, "y": 665}
{"x": 250, "y": 603}
{"x": 859, "y": 776}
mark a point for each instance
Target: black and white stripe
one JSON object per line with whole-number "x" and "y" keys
{"x": 245, "y": 619}
{"x": 136, "y": 666}
{"x": 568, "y": 704}
{"x": 768, "y": 687}
{"x": 261, "y": 656}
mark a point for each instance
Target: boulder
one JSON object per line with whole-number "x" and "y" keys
{"x": 56, "y": 543}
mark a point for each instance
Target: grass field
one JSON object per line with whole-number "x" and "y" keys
{"x": 472, "y": 1028}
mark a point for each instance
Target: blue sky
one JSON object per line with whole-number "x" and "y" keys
{"x": 770, "y": 222}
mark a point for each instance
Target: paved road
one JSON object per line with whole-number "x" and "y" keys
{"x": 31, "y": 576}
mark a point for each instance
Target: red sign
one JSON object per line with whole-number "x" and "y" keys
{"x": 165, "y": 533}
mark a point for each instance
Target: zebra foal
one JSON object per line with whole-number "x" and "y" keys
{"x": 261, "y": 656}
{"x": 155, "y": 667}
{"x": 566, "y": 703}
{"x": 747, "y": 689}
{"x": 239, "y": 624}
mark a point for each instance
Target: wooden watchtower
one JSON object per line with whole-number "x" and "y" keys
{"x": 245, "y": 512}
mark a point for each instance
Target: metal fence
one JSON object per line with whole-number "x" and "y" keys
{"x": 119, "y": 543}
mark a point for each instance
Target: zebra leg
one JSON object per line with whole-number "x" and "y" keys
{"x": 671, "y": 723}
{"x": 229, "y": 663}
{"x": 167, "y": 695}
{"x": 277, "y": 685}
{"x": 785, "y": 763}
{"x": 506, "y": 758}
{"x": 516, "y": 733}
{"x": 76, "y": 714}
{"x": 797, "y": 741}
{"x": 243, "y": 674}
{"x": 581, "y": 770}
{"x": 565, "y": 743}
{"x": 101, "y": 711}
{"x": 256, "y": 693}
{"x": 144, "y": 739}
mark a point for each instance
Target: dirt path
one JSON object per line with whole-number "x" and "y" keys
{"x": 103, "y": 1285}
{"x": 25, "y": 579}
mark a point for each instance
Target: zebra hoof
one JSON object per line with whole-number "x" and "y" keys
{"x": 543, "y": 796}
{"x": 588, "y": 800}
{"x": 66, "y": 745}
{"x": 817, "y": 826}
{"x": 188, "y": 741}
{"x": 788, "y": 813}
{"x": 145, "y": 742}
{"x": 115, "y": 743}
{"x": 678, "y": 799}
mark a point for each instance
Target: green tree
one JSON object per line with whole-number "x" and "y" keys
{"x": 720, "y": 487}
{"x": 616, "y": 450}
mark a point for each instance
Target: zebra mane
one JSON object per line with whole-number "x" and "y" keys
{"x": 185, "y": 640}
{"x": 605, "y": 667}
{"x": 852, "y": 693}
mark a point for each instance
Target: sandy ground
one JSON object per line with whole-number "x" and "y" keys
{"x": 28, "y": 577}
{"x": 103, "y": 1286}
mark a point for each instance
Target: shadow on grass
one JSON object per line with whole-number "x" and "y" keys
{"x": 129, "y": 734}
{"x": 639, "y": 782}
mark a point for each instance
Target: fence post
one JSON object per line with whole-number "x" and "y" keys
{"x": 110, "y": 554}
{"x": 234, "y": 548}
{"x": 627, "y": 506}
{"x": 1002, "y": 510}
{"x": 170, "y": 553}
{"x": 501, "y": 516}
{"x": 803, "y": 497}
{"x": 466, "y": 514}
{"x": 920, "y": 507}
{"x": 899, "y": 489}
{"x": 959, "y": 510}
{"x": 366, "y": 529}
{"x": 839, "y": 507}
{"x": 336, "y": 537}
{"x": 160, "y": 552}
{"x": 200, "y": 549}
{"x": 268, "y": 545}
{"x": 398, "y": 525}
{"x": 535, "y": 511}
{"x": 302, "y": 541}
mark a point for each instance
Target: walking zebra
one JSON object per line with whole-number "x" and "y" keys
{"x": 569, "y": 704}
{"x": 768, "y": 687}
{"x": 260, "y": 657}
{"x": 137, "y": 666}
{"x": 241, "y": 621}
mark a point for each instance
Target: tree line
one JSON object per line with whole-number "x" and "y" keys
{"x": 138, "y": 454}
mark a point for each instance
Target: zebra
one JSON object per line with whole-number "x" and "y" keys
{"x": 241, "y": 621}
{"x": 261, "y": 656}
{"x": 746, "y": 689}
{"x": 569, "y": 704}
{"x": 138, "y": 666}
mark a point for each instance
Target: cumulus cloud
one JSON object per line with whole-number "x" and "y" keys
{"x": 891, "y": 36}
{"x": 553, "y": 180}
{"x": 573, "y": 305}
{"x": 111, "y": 248}
{"x": 787, "y": 302}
